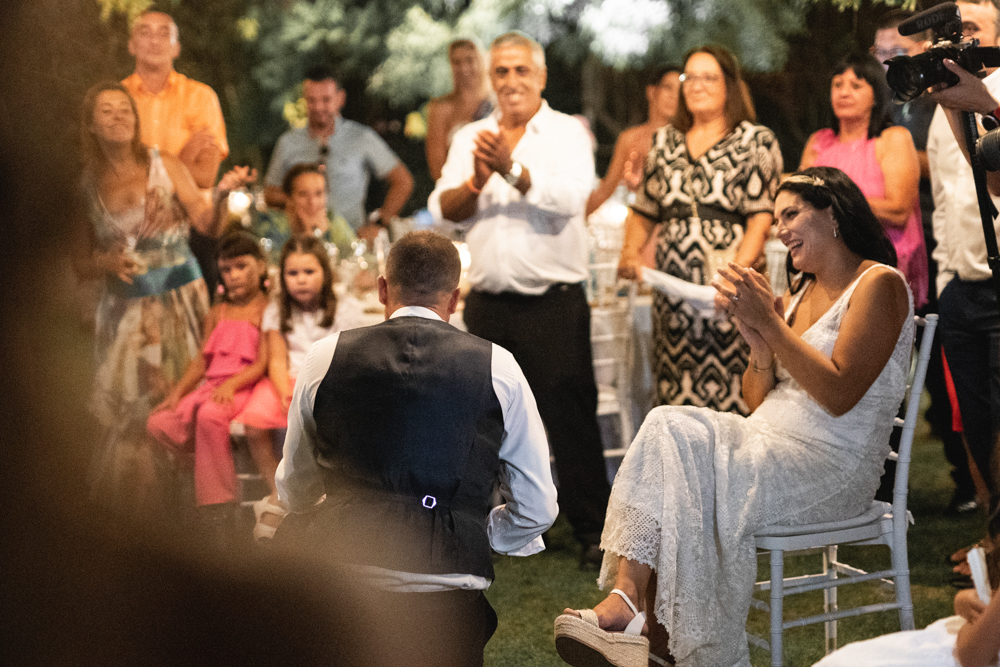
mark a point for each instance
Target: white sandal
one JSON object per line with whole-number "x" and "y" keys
{"x": 262, "y": 531}
{"x": 582, "y": 643}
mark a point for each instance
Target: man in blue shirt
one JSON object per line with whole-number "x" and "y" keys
{"x": 351, "y": 152}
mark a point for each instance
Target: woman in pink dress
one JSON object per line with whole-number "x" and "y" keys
{"x": 879, "y": 157}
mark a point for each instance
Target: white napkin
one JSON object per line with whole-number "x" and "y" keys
{"x": 701, "y": 298}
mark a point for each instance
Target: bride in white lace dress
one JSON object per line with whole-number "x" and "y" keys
{"x": 827, "y": 374}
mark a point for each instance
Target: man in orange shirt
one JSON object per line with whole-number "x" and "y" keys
{"x": 176, "y": 114}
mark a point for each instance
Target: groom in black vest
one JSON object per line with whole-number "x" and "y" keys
{"x": 406, "y": 426}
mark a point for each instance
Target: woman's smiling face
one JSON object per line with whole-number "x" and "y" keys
{"x": 806, "y": 231}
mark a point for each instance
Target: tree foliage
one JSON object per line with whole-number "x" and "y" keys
{"x": 623, "y": 34}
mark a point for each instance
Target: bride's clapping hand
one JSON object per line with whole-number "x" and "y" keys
{"x": 748, "y": 296}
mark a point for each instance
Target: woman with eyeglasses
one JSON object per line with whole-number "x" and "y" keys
{"x": 879, "y": 157}
{"x": 710, "y": 178}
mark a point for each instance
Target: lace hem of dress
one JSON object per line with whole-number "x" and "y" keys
{"x": 629, "y": 533}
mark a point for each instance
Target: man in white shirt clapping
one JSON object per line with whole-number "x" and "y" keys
{"x": 519, "y": 180}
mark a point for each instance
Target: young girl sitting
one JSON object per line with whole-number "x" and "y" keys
{"x": 233, "y": 358}
{"x": 304, "y": 313}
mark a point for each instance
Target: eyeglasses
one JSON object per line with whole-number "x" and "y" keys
{"x": 704, "y": 79}
{"x": 887, "y": 54}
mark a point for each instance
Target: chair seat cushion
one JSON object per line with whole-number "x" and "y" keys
{"x": 876, "y": 511}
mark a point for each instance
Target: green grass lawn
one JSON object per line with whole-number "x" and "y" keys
{"x": 529, "y": 593}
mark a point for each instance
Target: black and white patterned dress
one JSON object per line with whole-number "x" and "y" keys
{"x": 703, "y": 205}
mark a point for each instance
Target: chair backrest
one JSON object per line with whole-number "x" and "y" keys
{"x": 611, "y": 339}
{"x": 909, "y": 422}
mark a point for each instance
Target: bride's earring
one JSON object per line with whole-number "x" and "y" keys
{"x": 835, "y": 232}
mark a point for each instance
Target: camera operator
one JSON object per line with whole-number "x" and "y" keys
{"x": 970, "y": 317}
{"x": 915, "y": 115}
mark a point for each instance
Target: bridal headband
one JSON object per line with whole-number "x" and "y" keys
{"x": 805, "y": 179}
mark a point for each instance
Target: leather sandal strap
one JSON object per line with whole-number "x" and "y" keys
{"x": 635, "y": 625}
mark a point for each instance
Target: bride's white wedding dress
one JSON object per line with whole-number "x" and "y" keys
{"x": 696, "y": 484}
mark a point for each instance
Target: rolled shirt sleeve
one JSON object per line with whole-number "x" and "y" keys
{"x": 530, "y": 507}
{"x": 299, "y": 479}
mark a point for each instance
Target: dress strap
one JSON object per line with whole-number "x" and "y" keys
{"x": 846, "y": 295}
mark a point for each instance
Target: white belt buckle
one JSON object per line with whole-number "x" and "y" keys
{"x": 430, "y": 502}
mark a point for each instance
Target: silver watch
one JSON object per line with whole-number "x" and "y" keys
{"x": 514, "y": 175}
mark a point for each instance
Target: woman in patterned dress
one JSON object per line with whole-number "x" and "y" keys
{"x": 710, "y": 178}
{"x": 136, "y": 208}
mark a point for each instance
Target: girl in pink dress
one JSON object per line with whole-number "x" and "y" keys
{"x": 303, "y": 314}
{"x": 881, "y": 159}
{"x": 218, "y": 382}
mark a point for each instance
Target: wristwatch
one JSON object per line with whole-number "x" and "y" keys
{"x": 514, "y": 175}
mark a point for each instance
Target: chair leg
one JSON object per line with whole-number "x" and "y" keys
{"x": 830, "y": 597}
{"x": 900, "y": 564}
{"x": 777, "y": 606}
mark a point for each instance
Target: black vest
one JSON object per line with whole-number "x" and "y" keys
{"x": 409, "y": 431}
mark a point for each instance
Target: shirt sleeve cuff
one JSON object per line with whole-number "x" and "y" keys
{"x": 533, "y": 547}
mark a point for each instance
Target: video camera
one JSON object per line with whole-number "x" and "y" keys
{"x": 910, "y": 76}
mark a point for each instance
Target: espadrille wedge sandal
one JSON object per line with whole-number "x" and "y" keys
{"x": 582, "y": 643}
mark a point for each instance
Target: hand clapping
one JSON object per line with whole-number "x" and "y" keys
{"x": 746, "y": 295}
{"x": 492, "y": 148}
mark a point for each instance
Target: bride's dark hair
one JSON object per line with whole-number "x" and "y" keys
{"x": 862, "y": 233}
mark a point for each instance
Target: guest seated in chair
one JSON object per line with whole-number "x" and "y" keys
{"x": 827, "y": 373}
{"x": 307, "y": 213}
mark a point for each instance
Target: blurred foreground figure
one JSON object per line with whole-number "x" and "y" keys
{"x": 406, "y": 426}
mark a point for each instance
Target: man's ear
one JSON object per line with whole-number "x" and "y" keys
{"x": 383, "y": 290}
{"x": 544, "y": 74}
{"x": 453, "y": 302}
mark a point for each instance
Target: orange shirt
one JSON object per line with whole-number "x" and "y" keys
{"x": 170, "y": 117}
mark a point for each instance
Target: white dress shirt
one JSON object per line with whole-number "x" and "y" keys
{"x": 526, "y": 243}
{"x": 958, "y": 228}
{"x": 514, "y": 528}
